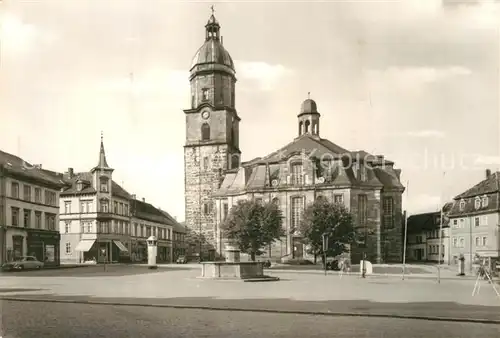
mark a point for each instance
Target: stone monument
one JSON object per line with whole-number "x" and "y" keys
{"x": 233, "y": 269}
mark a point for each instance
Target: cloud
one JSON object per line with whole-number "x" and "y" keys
{"x": 18, "y": 36}
{"x": 266, "y": 75}
{"x": 429, "y": 133}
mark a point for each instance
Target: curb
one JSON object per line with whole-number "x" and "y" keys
{"x": 357, "y": 274}
{"x": 260, "y": 310}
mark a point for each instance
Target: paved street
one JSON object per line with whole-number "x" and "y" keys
{"x": 21, "y": 320}
{"x": 92, "y": 271}
{"x": 309, "y": 293}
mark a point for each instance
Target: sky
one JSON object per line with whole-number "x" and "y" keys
{"x": 417, "y": 81}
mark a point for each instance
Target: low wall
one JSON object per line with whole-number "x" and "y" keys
{"x": 232, "y": 270}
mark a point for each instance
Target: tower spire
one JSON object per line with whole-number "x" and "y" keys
{"x": 102, "y": 155}
{"x": 212, "y": 27}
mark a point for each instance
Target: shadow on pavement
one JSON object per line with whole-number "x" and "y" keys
{"x": 92, "y": 271}
{"x": 443, "y": 310}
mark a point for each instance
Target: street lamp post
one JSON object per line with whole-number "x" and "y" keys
{"x": 325, "y": 248}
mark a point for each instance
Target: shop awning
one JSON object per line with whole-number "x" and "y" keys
{"x": 85, "y": 245}
{"x": 120, "y": 246}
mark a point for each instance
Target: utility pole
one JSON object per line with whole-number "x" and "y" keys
{"x": 440, "y": 234}
{"x": 406, "y": 231}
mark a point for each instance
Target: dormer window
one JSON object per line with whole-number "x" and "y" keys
{"x": 297, "y": 174}
{"x": 485, "y": 201}
{"x": 477, "y": 203}
{"x": 462, "y": 205}
{"x": 104, "y": 184}
{"x": 79, "y": 185}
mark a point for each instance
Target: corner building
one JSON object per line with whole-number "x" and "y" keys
{"x": 307, "y": 168}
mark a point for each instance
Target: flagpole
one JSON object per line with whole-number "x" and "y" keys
{"x": 440, "y": 235}
{"x": 406, "y": 231}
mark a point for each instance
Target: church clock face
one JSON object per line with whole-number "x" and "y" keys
{"x": 205, "y": 115}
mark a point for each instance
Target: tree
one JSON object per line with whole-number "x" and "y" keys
{"x": 332, "y": 218}
{"x": 253, "y": 225}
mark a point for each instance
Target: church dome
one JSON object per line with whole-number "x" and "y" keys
{"x": 308, "y": 107}
{"x": 213, "y": 52}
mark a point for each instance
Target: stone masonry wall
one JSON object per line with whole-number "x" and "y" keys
{"x": 392, "y": 239}
{"x": 373, "y": 249}
{"x": 200, "y": 183}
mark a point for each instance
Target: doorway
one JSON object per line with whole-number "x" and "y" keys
{"x": 298, "y": 248}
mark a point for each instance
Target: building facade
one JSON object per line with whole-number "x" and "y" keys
{"x": 100, "y": 221}
{"x": 307, "y": 168}
{"x": 29, "y": 211}
{"x": 474, "y": 222}
{"x": 423, "y": 238}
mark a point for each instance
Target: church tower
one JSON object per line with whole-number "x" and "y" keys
{"x": 212, "y": 137}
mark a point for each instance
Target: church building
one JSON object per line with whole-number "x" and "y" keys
{"x": 308, "y": 168}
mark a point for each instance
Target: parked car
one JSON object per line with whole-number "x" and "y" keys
{"x": 23, "y": 263}
{"x": 181, "y": 260}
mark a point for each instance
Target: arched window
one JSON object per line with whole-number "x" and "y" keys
{"x": 235, "y": 161}
{"x": 320, "y": 198}
{"x": 276, "y": 201}
{"x": 301, "y": 125}
{"x": 104, "y": 186}
{"x": 205, "y": 131}
{"x": 315, "y": 129}
{"x": 307, "y": 124}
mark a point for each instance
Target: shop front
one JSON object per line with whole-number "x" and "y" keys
{"x": 164, "y": 253}
{"x": 44, "y": 245}
{"x": 139, "y": 251}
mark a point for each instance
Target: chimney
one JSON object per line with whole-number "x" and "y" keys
{"x": 69, "y": 174}
{"x": 488, "y": 173}
{"x": 144, "y": 200}
{"x": 134, "y": 197}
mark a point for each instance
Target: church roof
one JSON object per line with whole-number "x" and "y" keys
{"x": 309, "y": 106}
{"x": 267, "y": 171}
{"x": 212, "y": 52}
{"x": 305, "y": 143}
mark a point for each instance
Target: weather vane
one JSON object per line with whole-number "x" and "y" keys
{"x": 102, "y": 136}
{"x": 213, "y": 9}
{"x": 308, "y": 95}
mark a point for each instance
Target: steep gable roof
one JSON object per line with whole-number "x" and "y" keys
{"x": 148, "y": 212}
{"x": 486, "y": 186}
{"x": 17, "y": 166}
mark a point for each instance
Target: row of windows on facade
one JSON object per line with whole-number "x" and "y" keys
{"x": 121, "y": 228}
{"x": 298, "y": 176}
{"x": 50, "y": 196}
{"x": 50, "y": 219}
{"x": 479, "y": 202}
{"x": 459, "y": 242}
{"x": 478, "y": 221}
{"x": 87, "y": 206}
{"x": 297, "y": 208}
{"x": 434, "y": 250}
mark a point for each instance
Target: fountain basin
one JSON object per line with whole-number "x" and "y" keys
{"x": 245, "y": 271}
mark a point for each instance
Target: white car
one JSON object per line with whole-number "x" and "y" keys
{"x": 23, "y": 263}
